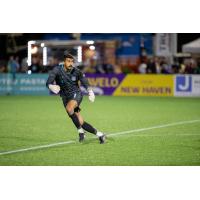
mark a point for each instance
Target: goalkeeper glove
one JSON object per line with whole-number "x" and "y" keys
{"x": 54, "y": 88}
{"x": 91, "y": 95}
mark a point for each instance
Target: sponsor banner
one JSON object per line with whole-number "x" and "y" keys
{"x": 146, "y": 85}
{"x": 187, "y": 85}
{"x": 103, "y": 84}
{"x": 196, "y": 85}
{"x": 34, "y": 84}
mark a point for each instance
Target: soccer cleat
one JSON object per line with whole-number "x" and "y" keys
{"x": 102, "y": 139}
{"x": 81, "y": 137}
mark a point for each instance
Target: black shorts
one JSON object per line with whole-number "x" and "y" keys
{"x": 76, "y": 96}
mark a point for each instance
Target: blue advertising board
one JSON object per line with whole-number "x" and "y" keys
{"x": 23, "y": 84}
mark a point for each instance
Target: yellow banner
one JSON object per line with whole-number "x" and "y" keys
{"x": 145, "y": 85}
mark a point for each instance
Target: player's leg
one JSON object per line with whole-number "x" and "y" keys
{"x": 89, "y": 128}
{"x": 86, "y": 126}
{"x": 71, "y": 105}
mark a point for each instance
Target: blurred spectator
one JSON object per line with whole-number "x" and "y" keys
{"x": 13, "y": 66}
{"x": 3, "y": 66}
{"x": 197, "y": 70}
{"x": 158, "y": 67}
{"x": 165, "y": 68}
{"x": 190, "y": 67}
{"x": 151, "y": 66}
{"x": 17, "y": 63}
{"x": 117, "y": 68}
{"x": 104, "y": 68}
{"x": 35, "y": 67}
{"x": 175, "y": 68}
{"x": 108, "y": 68}
{"x": 182, "y": 68}
{"x": 24, "y": 65}
{"x": 88, "y": 69}
{"x": 100, "y": 68}
{"x": 142, "y": 68}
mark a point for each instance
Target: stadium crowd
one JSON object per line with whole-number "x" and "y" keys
{"x": 148, "y": 65}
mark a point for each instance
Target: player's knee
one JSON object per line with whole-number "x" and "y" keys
{"x": 70, "y": 110}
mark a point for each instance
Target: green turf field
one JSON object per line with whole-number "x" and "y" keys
{"x": 32, "y": 121}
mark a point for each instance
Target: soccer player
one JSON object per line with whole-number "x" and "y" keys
{"x": 67, "y": 79}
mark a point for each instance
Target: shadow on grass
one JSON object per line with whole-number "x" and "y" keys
{"x": 96, "y": 140}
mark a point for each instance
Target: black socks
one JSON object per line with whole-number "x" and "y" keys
{"x": 75, "y": 120}
{"x": 89, "y": 128}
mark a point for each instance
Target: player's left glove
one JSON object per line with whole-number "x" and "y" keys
{"x": 91, "y": 95}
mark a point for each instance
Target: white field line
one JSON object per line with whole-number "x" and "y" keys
{"x": 111, "y": 134}
{"x": 165, "y": 135}
{"x": 36, "y": 147}
{"x": 154, "y": 127}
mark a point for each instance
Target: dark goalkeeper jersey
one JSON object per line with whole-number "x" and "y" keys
{"x": 67, "y": 80}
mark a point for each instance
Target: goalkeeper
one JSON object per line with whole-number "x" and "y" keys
{"x": 67, "y": 80}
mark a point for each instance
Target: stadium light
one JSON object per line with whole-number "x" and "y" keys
{"x": 92, "y": 47}
{"x": 79, "y": 53}
{"x": 42, "y": 45}
{"x": 90, "y": 42}
{"x": 30, "y": 43}
{"x": 34, "y": 50}
{"x": 44, "y": 56}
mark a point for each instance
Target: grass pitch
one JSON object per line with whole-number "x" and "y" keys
{"x": 32, "y": 121}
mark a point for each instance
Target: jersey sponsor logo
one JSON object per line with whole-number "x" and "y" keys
{"x": 73, "y": 78}
{"x": 183, "y": 83}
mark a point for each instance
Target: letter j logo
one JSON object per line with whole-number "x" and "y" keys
{"x": 183, "y": 83}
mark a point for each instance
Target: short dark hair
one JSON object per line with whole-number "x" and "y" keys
{"x": 68, "y": 55}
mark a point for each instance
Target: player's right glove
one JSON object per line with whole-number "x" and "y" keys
{"x": 91, "y": 95}
{"x": 54, "y": 88}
